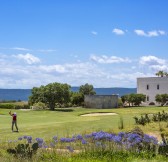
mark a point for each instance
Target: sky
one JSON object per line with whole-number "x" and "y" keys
{"x": 106, "y": 43}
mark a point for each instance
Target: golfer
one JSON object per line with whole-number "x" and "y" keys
{"x": 14, "y": 121}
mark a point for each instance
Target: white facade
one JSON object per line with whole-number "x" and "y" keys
{"x": 151, "y": 86}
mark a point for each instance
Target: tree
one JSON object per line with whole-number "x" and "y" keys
{"x": 125, "y": 99}
{"x": 51, "y": 94}
{"x": 139, "y": 98}
{"x": 133, "y": 99}
{"x": 160, "y": 73}
{"x": 161, "y": 98}
{"x": 87, "y": 89}
{"x": 77, "y": 98}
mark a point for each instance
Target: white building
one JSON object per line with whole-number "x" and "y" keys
{"x": 151, "y": 86}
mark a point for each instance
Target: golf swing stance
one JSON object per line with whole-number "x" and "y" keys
{"x": 14, "y": 120}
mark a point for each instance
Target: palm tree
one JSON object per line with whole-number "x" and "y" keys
{"x": 160, "y": 73}
{"x": 166, "y": 74}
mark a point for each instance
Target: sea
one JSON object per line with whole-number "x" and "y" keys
{"x": 23, "y": 94}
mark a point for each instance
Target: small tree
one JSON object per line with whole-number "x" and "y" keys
{"x": 77, "y": 98}
{"x": 51, "y": 94}
{"x": 161, "y": 98}
{"x": 133, "y": 99}
{"x": 87, "y": 89}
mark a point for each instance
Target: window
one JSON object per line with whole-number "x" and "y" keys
{"x": 158, "y": 86}
{"x": 147, "y": 87}
{"x": 147, "y": 98}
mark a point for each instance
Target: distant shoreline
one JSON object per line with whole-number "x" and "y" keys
{"x": 23, "y": 94}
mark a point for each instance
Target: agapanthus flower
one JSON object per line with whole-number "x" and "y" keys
{"x": 70, "y": 148}
{"x": 52, "y": 144}
{"x": 20, "y": 138}
{"x": 84, "y": 141}
{"x": 67, "y": 139}
{"x": 79, "y": 137}
{"x": 25, "y": 137}
{"x": 39, "y": 140}
{"x": 55, "y": 138}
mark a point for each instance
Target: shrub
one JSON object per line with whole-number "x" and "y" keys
{"x": 15, "y": 105}
{"x": 39, "y": 105}
{"x": 143, "y": 120}
{"x": 24, "y": 106}
{"x": 24, "y": 150}
{"x": 7, "y": 106}
{"x": 120, "y": 103}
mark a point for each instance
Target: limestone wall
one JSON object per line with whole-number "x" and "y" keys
{"x": 101, "y": 101}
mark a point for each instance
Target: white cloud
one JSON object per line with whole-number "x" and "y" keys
{"x": 15, "y": 74}
{"x": 109, "y": 60}
{"x": 20, "y": 49}
{"x": 28, "y": 58}
{"x": 140, "y": 32}
{"x": 151, "y": 60}
{"x": 94, "y": 32}
{"x": 118, "y": 31}
{"x": 52, "y": 68}
{"x": 153, "y": 33}
{"x": 46, "y": 50}
{"x": 161, "y": 32}
{"x": 159, "y": 67}
{"x": 153, "y": 63}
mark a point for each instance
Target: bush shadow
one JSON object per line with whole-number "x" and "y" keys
{"x": 64, "y": 110}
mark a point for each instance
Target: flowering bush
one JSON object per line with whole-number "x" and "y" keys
{"x": 103, "y": 141}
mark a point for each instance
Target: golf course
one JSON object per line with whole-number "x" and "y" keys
{"x": 69, "y": 126}
{"x": 70, "y": 121}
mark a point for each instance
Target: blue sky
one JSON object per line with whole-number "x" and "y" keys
{"x": 106, "y": 43}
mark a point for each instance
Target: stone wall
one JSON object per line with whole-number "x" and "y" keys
{"x": 101, "y": 101}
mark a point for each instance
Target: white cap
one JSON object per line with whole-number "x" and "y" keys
{"x": 15, "y": 113}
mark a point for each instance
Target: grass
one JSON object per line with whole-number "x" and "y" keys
{"x": 67, "y": 122}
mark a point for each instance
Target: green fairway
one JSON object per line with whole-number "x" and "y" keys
{"x": 67, "y": 122}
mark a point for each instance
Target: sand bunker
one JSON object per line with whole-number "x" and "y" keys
{"x": 99, "y": 114}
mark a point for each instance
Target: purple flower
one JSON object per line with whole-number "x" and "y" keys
{"x": 55, "y": 138}
{"x": 52, "y": 144}
{"x": 67, "y": 139}
{"x": 84, "y": 141}
{"x": 29, "y": 139}
{"x": 25, "y": 137}
{"x": 133, "y": 137}
{"x": 39, "y": 140}
{"x": 117, "y": 139}
{"x": 20, "y": 138}
{"x": 150, "y": 139}
{"x": 88, "y": 135}
{"x": 45, "y": 146}
{"x": 70, "y": 148}
{"x": 79, "y": 137}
